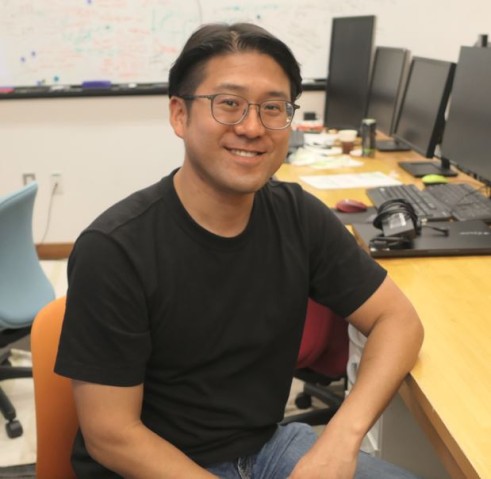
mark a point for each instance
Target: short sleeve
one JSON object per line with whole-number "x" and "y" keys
{"x": 343, "y": 276}
{"x": 105, "y": 336}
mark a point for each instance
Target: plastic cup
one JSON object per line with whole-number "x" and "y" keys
{"x": 347, "y": 139}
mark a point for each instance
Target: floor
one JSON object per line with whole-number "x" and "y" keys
{"x": 17, "y": 456}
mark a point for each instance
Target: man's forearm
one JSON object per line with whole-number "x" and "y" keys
{"x": 386, "y": 360}
{"x": 138, "y": 453}
{"x": 394, "y": 339}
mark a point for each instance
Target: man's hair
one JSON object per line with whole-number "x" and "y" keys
{"x": 215, "y": 39}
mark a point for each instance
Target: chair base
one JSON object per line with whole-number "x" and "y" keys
{"x": 319, "y": 390}
{"x": 13, "y": 426}
{"x": 14, "y": 429}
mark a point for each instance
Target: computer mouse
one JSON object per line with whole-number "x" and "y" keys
{"x": 350, "y": 206}
{"x": 434, "y": 179}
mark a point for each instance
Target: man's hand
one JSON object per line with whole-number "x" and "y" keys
{"x": 337, "y": 468}
{"x": 327, "y": 460}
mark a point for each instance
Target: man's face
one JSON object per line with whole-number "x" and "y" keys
{"x": 233, "y": 159}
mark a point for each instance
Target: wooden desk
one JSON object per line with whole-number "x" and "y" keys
{"x": 449, "y": 389}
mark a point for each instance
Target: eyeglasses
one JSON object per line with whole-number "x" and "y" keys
{"x": 232, "y": 109}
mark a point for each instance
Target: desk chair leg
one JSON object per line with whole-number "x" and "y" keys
{"x": 324, "y": 394}
{"x": 331, "y": 401}
{"x": 13, "y": 426}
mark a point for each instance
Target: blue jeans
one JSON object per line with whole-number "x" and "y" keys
{"x": 281, "y": 453}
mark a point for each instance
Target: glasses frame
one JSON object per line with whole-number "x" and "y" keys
{"x": 246, "y": 111}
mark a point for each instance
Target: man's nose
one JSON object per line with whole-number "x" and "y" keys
{"x": 252, "y": 123}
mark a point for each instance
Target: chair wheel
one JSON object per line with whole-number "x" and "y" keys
{"x": 303, "y": 401}
{"x": 14, "y": 429}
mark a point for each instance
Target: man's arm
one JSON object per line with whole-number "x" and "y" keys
{"x": 394, "y": 337}
{"x": 115, "y": 437}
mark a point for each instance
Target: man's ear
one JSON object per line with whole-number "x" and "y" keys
{"x": 178, "y": 115}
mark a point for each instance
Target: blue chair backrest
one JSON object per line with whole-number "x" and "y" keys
{"x": 24, "y": 287}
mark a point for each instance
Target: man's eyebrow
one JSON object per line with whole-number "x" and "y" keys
{"x": 242, "y": 90}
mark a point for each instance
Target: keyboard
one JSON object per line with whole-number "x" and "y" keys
{"x": 464, "y": 201}
{"x": 425, "y": 206}
{"x": 438, "y": 202}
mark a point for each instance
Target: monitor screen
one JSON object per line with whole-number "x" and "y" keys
{"x": 467, "y": 136}
{"x": 421, "y": 118}
{"x": 350, "y": 58}
{"x": 388, "y": 76}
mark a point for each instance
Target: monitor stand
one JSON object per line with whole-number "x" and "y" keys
{"x": 391, "y": 145}
{"x": 418, "y": 169}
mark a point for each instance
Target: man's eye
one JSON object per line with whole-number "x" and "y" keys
{"x": 273, "y": 107}
{"x": 229, "y": 102}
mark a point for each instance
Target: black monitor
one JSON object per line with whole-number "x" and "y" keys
{"x": 421, "y": 118}
{"x": 348, "y": 76}
{"x": 467, "y": 136}
{"x": 388, "y": 76}
{"x": 482, "y": 40}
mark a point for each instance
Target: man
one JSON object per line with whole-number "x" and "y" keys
{"x": 186, "y": 300}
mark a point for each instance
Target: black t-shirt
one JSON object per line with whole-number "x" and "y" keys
{"x": 210, "y": 325}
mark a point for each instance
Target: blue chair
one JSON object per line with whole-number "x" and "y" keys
{"x": 24, "y": 288}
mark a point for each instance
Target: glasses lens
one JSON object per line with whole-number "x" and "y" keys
{"x": 229, "y": 109}
{"x": 277, "y": 114}
{"x": 232, "y": 109}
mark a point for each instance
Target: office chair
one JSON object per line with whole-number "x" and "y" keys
{"x": 24, "y": 288}
{"x": 56, "y": 418}
{"x": 322, "y": 360}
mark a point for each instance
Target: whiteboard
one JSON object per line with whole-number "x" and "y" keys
{"x": 60, "y": 42}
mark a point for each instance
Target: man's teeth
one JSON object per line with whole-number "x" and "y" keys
{"x": 248, "y": 154}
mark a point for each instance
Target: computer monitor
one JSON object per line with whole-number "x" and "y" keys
{"x": 421, "y": 118}
{"x": 466, "y": 139}
{"x": 387, "y": 80}
{"x": 482, "y": 40}
{"x": 348, "y": 76}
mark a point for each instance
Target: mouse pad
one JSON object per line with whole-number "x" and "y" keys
{"x": 350, "y": 218}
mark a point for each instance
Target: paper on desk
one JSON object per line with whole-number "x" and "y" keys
{"x": 354, "y": 180}
{"x": 335, "y": 163}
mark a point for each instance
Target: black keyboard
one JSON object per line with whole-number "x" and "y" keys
{"x": 439, "y": 202}
{"x": 464, "y": 201}
{"x": 425, "y": 206}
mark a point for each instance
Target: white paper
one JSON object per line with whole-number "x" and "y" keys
{"x": 353, "y": 180}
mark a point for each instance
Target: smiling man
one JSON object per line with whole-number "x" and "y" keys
{"x": 186, "y": 300}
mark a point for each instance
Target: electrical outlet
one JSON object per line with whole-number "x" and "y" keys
{"x": 56, "y": 183}
{"x": 28, "y": 178}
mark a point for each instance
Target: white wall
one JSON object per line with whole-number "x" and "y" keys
{"x": 105, "y": 148}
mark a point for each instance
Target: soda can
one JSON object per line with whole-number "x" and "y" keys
{"x": 367, "y": 133}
